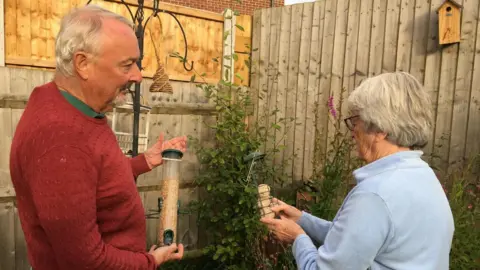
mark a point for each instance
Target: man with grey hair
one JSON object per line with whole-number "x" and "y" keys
{"x": 76, "y": 193}
{"x": 397, "y": 216}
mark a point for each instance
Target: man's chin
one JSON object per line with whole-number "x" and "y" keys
{"x": 120, "y": 100}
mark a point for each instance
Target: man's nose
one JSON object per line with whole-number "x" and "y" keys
{"x": 136, "y": 74}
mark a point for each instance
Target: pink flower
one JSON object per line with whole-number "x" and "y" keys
{"x": 470, "y": 206}
{"x": 331, "y": 106}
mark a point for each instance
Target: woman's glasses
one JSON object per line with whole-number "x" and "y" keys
{"x": 349, "y": 122}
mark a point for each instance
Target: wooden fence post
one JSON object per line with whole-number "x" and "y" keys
{"x": 228, "y": 62}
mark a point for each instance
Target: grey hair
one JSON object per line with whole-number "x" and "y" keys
{"x": 396, "y": 104}
{"x": 80, "y": 31}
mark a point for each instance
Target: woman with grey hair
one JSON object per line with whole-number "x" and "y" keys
{"x": 397, "y": 216}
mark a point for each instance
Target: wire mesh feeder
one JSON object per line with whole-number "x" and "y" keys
{"x": 265, "y": 201}
{"x": 125, "y": 139}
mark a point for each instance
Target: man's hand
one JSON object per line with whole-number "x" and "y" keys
{"x": 153, "y": 155}
{"x": 283, "y": 229}
{"x": 287, "y": 211}
{"x": 166, "y": 253}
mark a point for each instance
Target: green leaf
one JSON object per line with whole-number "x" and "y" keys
{"x": 225, "y": 35}
{"x": 192, "y": 79}
{"x": 277, "y": 127}
{"x": 215, "y": 60}
{"x": 238, "y": 76}
{"x": 240, "y": 27}
{"x": 235, "y": 57}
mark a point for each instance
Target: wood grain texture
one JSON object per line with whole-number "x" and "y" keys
{"x": 31, "y": 26}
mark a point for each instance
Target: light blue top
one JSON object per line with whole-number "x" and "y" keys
{"x": 396, "y": 217}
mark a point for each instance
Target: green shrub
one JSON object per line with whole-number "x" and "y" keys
{"x": 464, "y": 198}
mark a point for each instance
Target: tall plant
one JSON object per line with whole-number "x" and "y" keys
{"x": 333, "y": 168}
{"x": 228, "y": 211}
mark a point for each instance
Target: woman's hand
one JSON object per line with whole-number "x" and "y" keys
{"x": 283, "y": 229}
{"x": 284, "y": 210}
{"x": 166, "y": 253}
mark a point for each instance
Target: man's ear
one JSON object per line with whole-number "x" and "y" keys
{"x": 81, "y": 64}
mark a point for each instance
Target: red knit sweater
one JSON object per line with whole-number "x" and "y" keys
{"x": 77, "y": 199}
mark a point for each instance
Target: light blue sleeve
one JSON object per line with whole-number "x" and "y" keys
{"x": 354, "y": 239}
{"x": 315, "y": 227}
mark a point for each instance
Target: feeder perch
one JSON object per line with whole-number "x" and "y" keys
{"x": 449, "y": 21}
{"x": 125, "y": 139}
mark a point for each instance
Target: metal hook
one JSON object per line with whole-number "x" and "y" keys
{"x": 184, "y": 39}
{"x": 156, "y": 9}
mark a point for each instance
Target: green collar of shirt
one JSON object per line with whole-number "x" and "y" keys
{"x": 84, "y": 108}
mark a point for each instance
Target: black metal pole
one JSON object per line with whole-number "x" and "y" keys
{"x": 136, "y": 101}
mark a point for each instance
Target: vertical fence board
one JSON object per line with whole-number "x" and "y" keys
{"x": 405, "y": 35}
{"x": 293, "y": 66}
{"x": 472, "y": 147}
{"x": 285, "y": 33}
{"x": 391, "y": 35}
{"x": 466, "y": 58}
{"x": 312, "y": 92}
{"x": 325, "y": 78}
{"x": 338, "y": 63}
{"x": 263, "y": 68}
{"x": 448, "y": 72}
{"x": 302, "y": 91}
{"x": 365, "y": 23}
{"x": 272, "y": 79}
{"x": 432, "y": 70}
{"x": 419, "y": 43}
{"x": 378, "y": 37}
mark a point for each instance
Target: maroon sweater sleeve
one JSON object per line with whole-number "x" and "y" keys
{"x": 63, "y": 189}
{"x": 139, "y": 165}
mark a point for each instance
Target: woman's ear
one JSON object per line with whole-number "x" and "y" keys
{"x": 380, "y": 136}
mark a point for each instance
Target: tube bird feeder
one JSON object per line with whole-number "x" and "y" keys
{"x": 169, "y": 211}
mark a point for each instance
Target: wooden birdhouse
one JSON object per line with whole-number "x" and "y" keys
{"x": 449, "y": 20}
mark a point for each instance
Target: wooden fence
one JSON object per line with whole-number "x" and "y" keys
{"x": 309, "y": 52}
{"x": 31, "y": 27}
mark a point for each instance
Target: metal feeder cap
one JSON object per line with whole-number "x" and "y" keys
{"x": 172, "y": 153}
